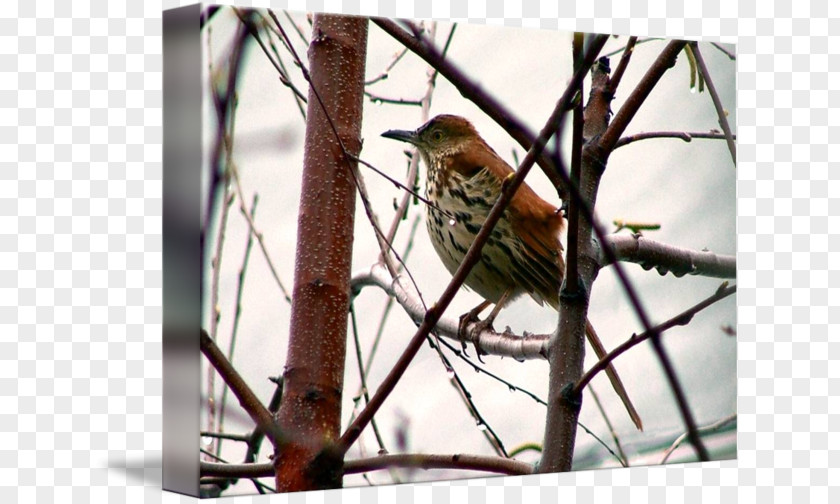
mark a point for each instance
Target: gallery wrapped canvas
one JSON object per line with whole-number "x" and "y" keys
{"x": 407, "y": 250}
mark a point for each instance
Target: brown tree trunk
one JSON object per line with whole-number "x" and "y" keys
{"x": 310, "y": 413}
{"x": 566, "y": 350}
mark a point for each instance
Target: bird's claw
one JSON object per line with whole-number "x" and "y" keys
{"x": 479, "y": 326}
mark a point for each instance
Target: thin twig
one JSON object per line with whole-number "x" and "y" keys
{"x": 516, "y": 388}
{"x": 381, "y": 329}
{"x": 253, "y": 229}
{"x": 300, "y": 100}
{"x": 385, "y": 73}
{"x": 365, "y": 368}
{"x": 225, "y": 435}
{"x": 221, "y": 105}
{"x": 362, "y": 375}
{"x": 296, "y": 27}
{"x": 215, "y": 312}
{"x": 473, "y": 91}
{"x": 236, "y": 317}
{"x": 394, "y": 101}
{"x": 622, "y": 457}
{"x": 722, "y": 49}
{"x": 414, "y": 164}
{"x": 348, "y": 157}
{"x": 399, "y": 185}
{"x": 284, "y": 77}
{"x": 466, "y": 397}
{"x": 722, "y": 120}
{"x": 700, "y": 430}
{"x": 681, "y": 319}
{"x": 622, "y": 64}
{"x": 638, "y": 42}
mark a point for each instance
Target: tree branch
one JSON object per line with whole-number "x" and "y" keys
{"x": 247, "y": 399}
{"x": 519, "y": 347}
{"x": 681, "y": 319}
{"x": 722, "y": 120}
{"x": 497, "y": 465}
{"x": 685, "y": 136}
{"x": 473, "y": 92}
{"x": 640, "y": 93}
{"x": 650, "y": 254}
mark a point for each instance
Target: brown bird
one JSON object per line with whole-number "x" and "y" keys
{"x": 464, "y": 179}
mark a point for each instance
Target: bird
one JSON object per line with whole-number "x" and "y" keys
{"x": 523, "y": 255}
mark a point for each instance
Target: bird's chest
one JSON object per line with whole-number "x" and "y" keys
{"x": 464, "y": 204}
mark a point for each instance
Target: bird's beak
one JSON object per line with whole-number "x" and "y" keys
{"x": 402, "y": 135}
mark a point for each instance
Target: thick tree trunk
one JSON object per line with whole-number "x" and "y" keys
{"x": 310, "y": 413}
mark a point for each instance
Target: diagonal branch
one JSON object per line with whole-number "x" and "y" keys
{"x": 722, "y": 120}
{"x": 247, "y": 399}
{"x": 682, "y": 319}
{"x": 473, "y": 92}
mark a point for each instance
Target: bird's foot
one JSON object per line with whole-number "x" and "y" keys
{"x": 479, "y": 325}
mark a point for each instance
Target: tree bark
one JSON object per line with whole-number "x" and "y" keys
{"x": 310, "y": 412}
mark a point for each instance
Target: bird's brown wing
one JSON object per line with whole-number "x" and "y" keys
{"x": 540, "y": 266}
{"x": 540, "y": 250}
{"x": 535, "y": 222}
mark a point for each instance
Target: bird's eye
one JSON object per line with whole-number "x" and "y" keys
{"x": 437, "y": 136}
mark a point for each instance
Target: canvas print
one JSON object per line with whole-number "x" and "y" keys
{"x": 436, "y": 251}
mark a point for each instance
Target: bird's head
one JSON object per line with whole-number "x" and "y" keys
{"x": 441, "y": 136}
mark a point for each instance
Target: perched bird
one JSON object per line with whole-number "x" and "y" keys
{"x": 464, "y": 179}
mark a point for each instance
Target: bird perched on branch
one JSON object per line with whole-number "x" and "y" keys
{"x": 523, "y": 255}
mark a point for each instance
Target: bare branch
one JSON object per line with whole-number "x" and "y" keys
{"x": 236, "y": 318}
{"x": 622, "y": 457}
{"x": 247, "y": 399}
{"x": 722, "y": 120}
{"x": 535, "y": 346}
{"x": 640, "y": 93}
{"x": 394, "y": 101}
{"x": 284, "y": 76}
{"x": 254, "y": 231}
{"x": 296, "y": 27}
{"x": 681, "y": 319}
{"x": 722, "y": 49}
{"x": 385, "y": 73}
{"x": 622, "y": 64}
{"x": 666, "y": 258}
{"x": 682, "y": 135}
{"x": 413, "y": 166}
{"x": 706, "y": 429}
{"x": 473, "y": 92}
{"x": 422, "y": 461}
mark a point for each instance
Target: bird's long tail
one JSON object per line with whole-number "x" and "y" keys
{"x": 600, "y": 351}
